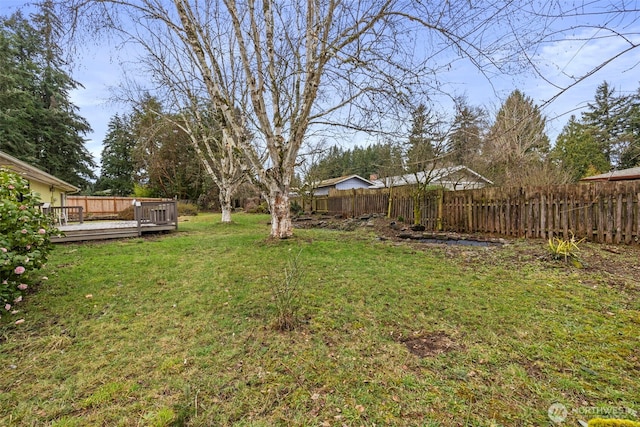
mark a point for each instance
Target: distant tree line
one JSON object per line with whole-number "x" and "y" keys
{"x": 512, "y": 150}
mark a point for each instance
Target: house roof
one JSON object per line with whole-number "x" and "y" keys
{"x": 435, "y": 176}
{"x": 619, "y": 175}
{"x": 33, "y": 173}
{"x": 335, "y": 181}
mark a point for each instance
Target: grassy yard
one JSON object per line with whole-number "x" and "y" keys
{"x": 178, "y": 330}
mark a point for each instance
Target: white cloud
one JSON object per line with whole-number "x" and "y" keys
{"x": 572, "y": 60}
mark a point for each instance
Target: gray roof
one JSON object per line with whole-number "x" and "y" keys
{"x": 619, "y": 175}
{"x": 334, "y": 181}
{"x": 435, "y": 176}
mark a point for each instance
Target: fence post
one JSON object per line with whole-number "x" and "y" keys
{"x": 353, "y": 203}
{"x": 137, "y": 214}
{"x": 440, "y": 199}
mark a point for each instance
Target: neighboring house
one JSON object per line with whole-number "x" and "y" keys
{"x": 341, "y": 183}
{"x": 450, "y": 178}
{"x": 620, "y": 175}
{"x": 51, "y": 189}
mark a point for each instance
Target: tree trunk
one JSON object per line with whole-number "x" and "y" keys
{"x": 225, "y": 205}
{"x": 280, "y": 214}
{"x": 417, "y": 209}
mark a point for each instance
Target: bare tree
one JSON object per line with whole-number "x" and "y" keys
{"x": 310, "y": 155}
{"x": 289, "y": 66}
{"x": 426, "y": 155}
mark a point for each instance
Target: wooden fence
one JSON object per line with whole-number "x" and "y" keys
{"x": 607, "y": 212}
{"x": 105, "y": 206}
{"x": 318, "y": 204}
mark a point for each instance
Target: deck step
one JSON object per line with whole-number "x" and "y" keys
{"x": 105, "y": 231}
{"x": 77, "y": 236}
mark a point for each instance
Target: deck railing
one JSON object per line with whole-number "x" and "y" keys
{"x": 62, "y": 215}
{"x": 157, "y": 213}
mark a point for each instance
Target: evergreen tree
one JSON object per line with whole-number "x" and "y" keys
{"x": 39, "y": 123}
{"x": 606, "y": 118}
{"x": 630, "y": 151}
{"x": 165, "y": 160}
{"x": 19, "y": 48}
{"x": 466, "y": 136}
{"x": 517, "y": 144}
{"x": 578, "y": 151}
{"x": 423, "y": 144}
{"x": 375, "y": 159}
{"x": 118, "y": 167}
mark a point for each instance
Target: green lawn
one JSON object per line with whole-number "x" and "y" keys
{"x": 178, "y": 330}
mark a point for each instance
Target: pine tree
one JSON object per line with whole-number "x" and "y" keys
{"x": 578, "y": 151}
{"x": 423, "y": 139}
{"x": 118, "y": 167}
{"x": 38, "y": 122}
{"x": 630, "y": 152}
{"x": 19, "y": 49}
{"x": 606, "y": 117}
{"x": 467, "y": 132}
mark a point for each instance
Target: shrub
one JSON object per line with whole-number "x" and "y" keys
{"x": 25, "y": 241}
{"x": 295, "y": 208}
{"x": 127, "y": 214}
{"x": 565, "y": 249}
{"x": 187, "y": 209}
{"x": 262, "y": 208}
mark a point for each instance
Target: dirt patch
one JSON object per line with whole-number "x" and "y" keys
{"x": 386, "y": 229}
{"x": 430, "y": 345}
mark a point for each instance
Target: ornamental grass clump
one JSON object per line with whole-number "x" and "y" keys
{"x": 286, "y": 296}
{"x": 24, "y": 240}
{"x": 565, "y": 249}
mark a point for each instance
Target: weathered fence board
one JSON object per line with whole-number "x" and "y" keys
{"x": 105, "y": 206}
{"x": 606, "y": 212}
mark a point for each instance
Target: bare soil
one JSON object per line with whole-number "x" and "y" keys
{"x": 430, "y": 345}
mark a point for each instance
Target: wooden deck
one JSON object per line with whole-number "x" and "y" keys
{"x": 108, "y": 230}
{"x": 151, "y": 217}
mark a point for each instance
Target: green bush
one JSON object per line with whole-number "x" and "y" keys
{"x": 295, "y": 208}
{"x": 25, "y": 241}
{"x": 262, "y": 208}
{"x": 127, "y": 214}
{"x": 187, "y": 209}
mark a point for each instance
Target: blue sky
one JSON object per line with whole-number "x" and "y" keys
{"x": 98, "y": 70}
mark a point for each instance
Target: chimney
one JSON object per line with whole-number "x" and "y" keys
{"x": 373, "y": 177}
